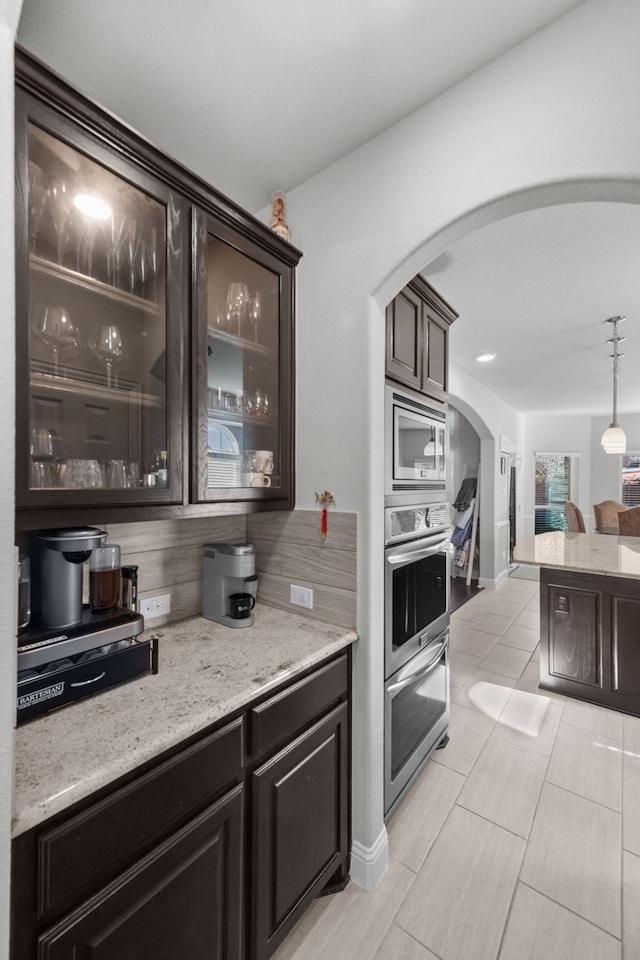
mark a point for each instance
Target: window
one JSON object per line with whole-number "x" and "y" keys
{"x": 631, "y": 480}
{"x": 556, "y": 481}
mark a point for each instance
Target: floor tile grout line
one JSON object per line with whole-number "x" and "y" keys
{"x": 526, "y": 850}
{"x": 582, "y": 797}
{"x": 415, "y": 940}
{"x": 563, "y": 906}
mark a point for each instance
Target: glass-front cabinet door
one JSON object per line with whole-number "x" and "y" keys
{"x": 244, "y": 391}
{"x": 100, "y": 369}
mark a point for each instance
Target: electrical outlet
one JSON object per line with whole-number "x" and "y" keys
{"x": 301, "y": 596}
{"x": 155, "y": 606}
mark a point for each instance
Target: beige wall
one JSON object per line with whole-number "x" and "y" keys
{"x": 288, "y": 550}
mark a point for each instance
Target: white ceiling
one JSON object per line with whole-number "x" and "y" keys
{"x": 258, "y": 96}
{"x": 536, "y": 289}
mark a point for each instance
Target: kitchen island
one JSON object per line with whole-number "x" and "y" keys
{"x": 589, "y": 616}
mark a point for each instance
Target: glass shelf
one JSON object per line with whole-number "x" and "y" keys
{"x": 49, "y": 269}
{"x": 240, "y": 342}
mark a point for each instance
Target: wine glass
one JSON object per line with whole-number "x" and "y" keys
{"x": 237, "y": 302}
{"x": 59, "y": 211}
{"x": 53, "y": 325}
{"x": 109, "y": 347}
{"x": 37, "y": 202}
{"x": 255, "y": 311}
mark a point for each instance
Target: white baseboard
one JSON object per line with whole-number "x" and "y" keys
{"x": 369, "y": 864}
{"x": 493, "y": 583}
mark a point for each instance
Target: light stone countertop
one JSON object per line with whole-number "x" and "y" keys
{"x": 206, "y": 671}
{"x": 582, "y": 552}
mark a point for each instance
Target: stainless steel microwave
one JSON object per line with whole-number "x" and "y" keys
{"x": 416, "y": 444}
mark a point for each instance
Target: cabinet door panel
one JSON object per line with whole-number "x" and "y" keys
{"x": 575, "y": 635}
{"x": 404, "y": 339}
{"x": 435, "y": 359}
{"x": 98, "y": 324}
{"x": 88, "y": 850}
{"x": 183, "y": 900}
{"x": 625, "y": 639}
{"x": 300, "y": 827}
{"x": 243, "y": 399}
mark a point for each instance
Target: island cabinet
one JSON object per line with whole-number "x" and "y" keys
{"x": 589, "y": 637}
{"x": 211, "y": 853}
{"x": 417, "y": 338}
{"x": 155, "y": 328}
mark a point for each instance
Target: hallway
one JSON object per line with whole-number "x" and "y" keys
{"x": 520, "y": 840}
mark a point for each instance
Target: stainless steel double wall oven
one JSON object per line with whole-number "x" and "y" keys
{"x": 416, "y": 583}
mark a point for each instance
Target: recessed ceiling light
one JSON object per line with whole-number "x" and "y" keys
{"x": 486, "y": 357}
{"x": 92, "y": 206}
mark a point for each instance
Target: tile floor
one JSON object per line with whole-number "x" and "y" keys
{"x": 520, "y": 840}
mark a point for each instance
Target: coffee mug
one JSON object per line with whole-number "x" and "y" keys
{"x": 259, "y": 461}
{"x": 241, "y": 605}
{"x": 255, "y": 480}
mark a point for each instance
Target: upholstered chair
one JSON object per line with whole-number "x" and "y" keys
{"x": 606, "y": 514}
{"x": 629, "y": 522}
{"x": 574, "y": 518}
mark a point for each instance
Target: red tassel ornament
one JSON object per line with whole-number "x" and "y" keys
{"x": 324, "y": 500}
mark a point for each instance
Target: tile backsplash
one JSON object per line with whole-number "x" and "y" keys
{"x": 288, "y": 550}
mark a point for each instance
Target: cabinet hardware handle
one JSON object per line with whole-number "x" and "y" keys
{"x": 83, "y": 683}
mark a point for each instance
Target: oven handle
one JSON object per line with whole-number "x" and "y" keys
{"x": 407, "y": 557}
{"x": 422, "y": 672}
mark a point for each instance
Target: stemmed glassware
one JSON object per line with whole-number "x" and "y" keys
{"x": 59, "y": 210}
{"x": 255, "y": 311}
{"x": 37, "y": 202}
{"x": 53, "y": 325}
{"x": 109, "y": 347}
{"x": 237, "y": 303}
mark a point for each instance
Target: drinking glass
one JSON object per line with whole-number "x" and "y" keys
{"x": 116, "y": 473}
{"x": 59, "y": 201}
{"x": 255, "y": 310}
{"x": 53, "y": 325}
{"x": 109, "y": 347}
{"x": 237, "y": 303}
{"x": 37, "y": 202}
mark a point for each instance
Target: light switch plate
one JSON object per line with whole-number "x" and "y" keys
{"x": 301, "y": 596}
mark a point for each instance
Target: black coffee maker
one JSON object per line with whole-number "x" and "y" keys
{"x": 68, "y": 651}
{"x": 57, "y": 561}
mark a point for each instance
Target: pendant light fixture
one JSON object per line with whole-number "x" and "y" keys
{"x": 614, "y": 439}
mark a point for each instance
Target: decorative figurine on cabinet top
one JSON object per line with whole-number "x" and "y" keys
{"x": 278, "y": 222}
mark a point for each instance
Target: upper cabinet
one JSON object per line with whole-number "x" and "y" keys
{"x": 243, "y": 362}
{"x": 417, "y": 335}
{"x": 155, "y": 325}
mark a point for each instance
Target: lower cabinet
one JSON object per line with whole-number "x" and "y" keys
{"x": 589, "y": 638}
{"x": 299, "y": 831}
{"x": 182, "y": 900}
{"x": 211, "y": 854}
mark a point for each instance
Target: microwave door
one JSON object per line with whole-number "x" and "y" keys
{"x": 408, "y": 444}
{"x": 418, "y": 446}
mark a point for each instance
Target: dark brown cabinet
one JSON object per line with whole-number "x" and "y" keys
{"x": 243, "y": 369}
{"x": 417, "y": 333}
{"x": 155, "y": 326}
{"x": 194, "y": 876}
{"x": 589, "y": 638}
{"x": 212, "y": 854}
{"x": 300, "y": 800}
